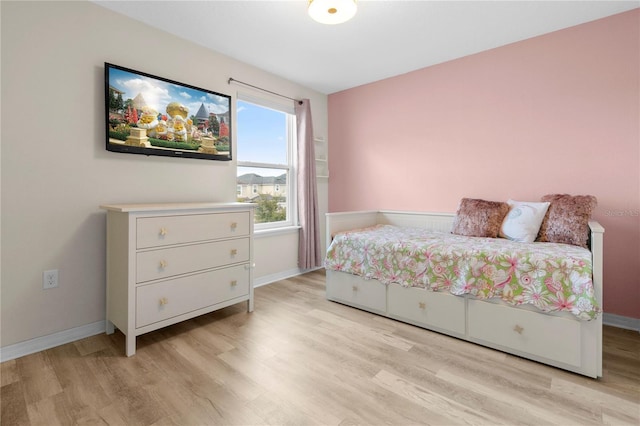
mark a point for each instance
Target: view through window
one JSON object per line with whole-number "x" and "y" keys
{"x": 265, "y": 138}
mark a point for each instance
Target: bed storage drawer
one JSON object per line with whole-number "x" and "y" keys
{"x": 438, "y": 311}
{"x": 370, "y": 295}
{"x": 535, "y": 333}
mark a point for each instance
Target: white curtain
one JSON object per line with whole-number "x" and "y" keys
{"x": 309, "y": 255}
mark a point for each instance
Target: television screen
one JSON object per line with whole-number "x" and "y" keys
{"x": 152, "y": 115}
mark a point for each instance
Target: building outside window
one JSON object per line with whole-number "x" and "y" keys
{"x": 266, "y": 141}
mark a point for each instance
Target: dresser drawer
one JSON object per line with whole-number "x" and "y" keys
{"x": 442, "y": 311}
{"x": 167, "y": 299}
{"x": 168, "y": 262}
{"x": 546, "y": 336}
{"x": 168, "y": 230}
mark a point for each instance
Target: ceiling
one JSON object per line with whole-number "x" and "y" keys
{"x": 386, "y": 38}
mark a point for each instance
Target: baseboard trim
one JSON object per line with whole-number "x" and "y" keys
{"x": 272, "y": 278}
{"x": 49, "y": 341}
{"x": 38, "y": 344}
{"x": 621, "y": 322}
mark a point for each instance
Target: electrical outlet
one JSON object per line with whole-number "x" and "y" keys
{"x": 50, "y": 279}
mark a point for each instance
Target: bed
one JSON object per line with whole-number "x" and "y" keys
{"x": 565, "y": 333}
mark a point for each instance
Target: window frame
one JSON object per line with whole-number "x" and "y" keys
{"x": 276, "y": 104}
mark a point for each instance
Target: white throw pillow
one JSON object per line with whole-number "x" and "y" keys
{"x": 523, "y": 221}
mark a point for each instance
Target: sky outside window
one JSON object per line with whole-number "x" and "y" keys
{"x": 262, "y": 134}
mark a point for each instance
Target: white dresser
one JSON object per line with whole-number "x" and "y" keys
{"x": 170, "y": 262}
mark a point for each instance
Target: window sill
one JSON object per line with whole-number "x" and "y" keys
{"x": 260, "y": 233}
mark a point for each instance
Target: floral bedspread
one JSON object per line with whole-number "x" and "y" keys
{"x": 550, "y": 276}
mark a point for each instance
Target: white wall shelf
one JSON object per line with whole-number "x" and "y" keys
{"x": 322, "y": 157}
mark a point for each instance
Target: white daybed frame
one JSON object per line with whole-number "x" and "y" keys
{"x": 559, "y": 340}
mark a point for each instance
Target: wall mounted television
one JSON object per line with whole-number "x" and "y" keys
{"x": 151, "y": 115}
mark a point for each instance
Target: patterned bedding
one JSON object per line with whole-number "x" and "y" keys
{"x": 549, "y": 276}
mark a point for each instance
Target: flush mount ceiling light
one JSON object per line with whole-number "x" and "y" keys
{"x": 332, "y": 11}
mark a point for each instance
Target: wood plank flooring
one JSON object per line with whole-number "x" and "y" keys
{"x": 299, "y": 359}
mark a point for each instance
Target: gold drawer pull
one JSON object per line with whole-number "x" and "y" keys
{"x": 163, "y": 264}
{"x": 234, "y": 283}
{"x": 163, "y": 301}
{"x": 234, "y": 252}
{"x": 422, "y": 305}
{"x": 355, "y": 288}
{"x": 233, "y": 225}
{"x": 163, "y": 231}
{"x": 518, "y": 329}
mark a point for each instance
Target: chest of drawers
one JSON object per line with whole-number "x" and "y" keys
{"x": 170, "y": 262}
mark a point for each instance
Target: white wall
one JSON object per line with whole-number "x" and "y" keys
{"x": 56, "y": 171}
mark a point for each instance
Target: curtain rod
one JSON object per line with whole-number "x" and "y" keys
{"x": 264, "y": 90}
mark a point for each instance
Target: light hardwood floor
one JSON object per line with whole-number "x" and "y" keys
{"x": 299, "y": 359}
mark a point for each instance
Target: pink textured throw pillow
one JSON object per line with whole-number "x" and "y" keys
{"x": 479, "y": 218}
{"x": 567, "y": 219}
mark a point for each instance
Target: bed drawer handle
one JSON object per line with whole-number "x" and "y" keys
{"x": 355, "y": 288}
{"x": 518, "y": 329}
{"x": 234, "y": 283}
{"x": 422, "y": 305}
{"x": 163, "y": 301}
{"x": 163, "y": 264}
{"x": 163, "y": 231}
{"x": 233, "y": 226}
{"x": 234, "y": 252}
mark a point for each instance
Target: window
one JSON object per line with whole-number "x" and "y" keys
{"x": 266, "y": 143}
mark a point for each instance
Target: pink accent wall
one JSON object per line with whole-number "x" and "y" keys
{"x": 559, "y": 113}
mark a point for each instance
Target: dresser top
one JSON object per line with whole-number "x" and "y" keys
{"x": 154, "y": 207}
